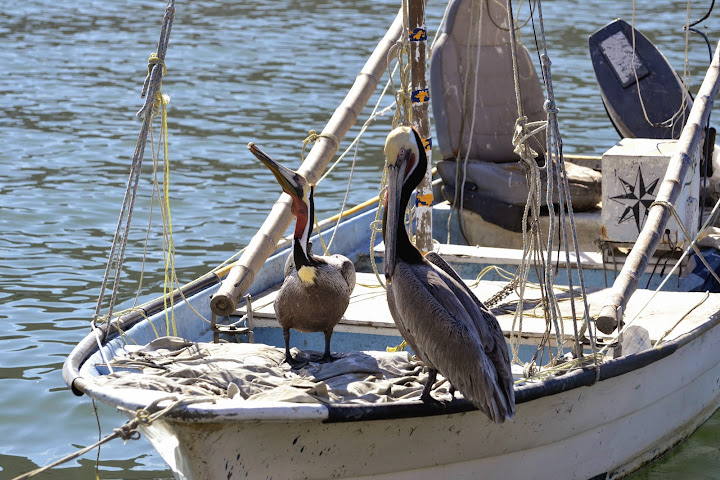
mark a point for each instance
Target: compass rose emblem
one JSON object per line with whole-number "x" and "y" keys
{"x": 637, "y": 199}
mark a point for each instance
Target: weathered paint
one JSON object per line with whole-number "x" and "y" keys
{"x": 614, "y": 426}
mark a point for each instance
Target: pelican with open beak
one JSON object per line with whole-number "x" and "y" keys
{"x": 436, "y": 313}
{"x": 316, "y": 290}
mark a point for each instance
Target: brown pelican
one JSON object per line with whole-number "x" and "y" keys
{"x": 437, "y": 314}
{"x": 316, "y": 290}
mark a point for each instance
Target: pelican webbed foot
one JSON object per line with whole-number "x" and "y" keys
{"x": 327, "y": 358}
{"x": 430, "y": 400}
{"x": 294, "y": 363}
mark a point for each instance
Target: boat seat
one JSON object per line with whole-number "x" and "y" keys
{"x": 475, "y": 112}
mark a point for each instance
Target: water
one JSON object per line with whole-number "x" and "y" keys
{"x": 266, "y": 71}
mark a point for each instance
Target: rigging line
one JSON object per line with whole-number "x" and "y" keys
{"x": 403, "y": 113}
{"x": 686, "y": 65}
{"x": 667, "y": 332}
{"x": 535, "y": 184}
{"x": 519, "y": 27}
{"x": 706, "y": 149}
{"x": 356, "y": 142}
{"x": 168, "y": 243}
{"x": 707, "y": 40}
{"x": 531, "y": 239}
{"x": 712, "y": 5}
{"x": 660, "y": 259}
{"x": 374, "y": 114}
{"x": 127, "y": 431}
{"x": 669, "y": 122}
{"x": 151, "y": 86}
{"x": 460, "y": 182}
{"x": 693, "y": 242}
{"x": 150, "y": 217}
{"x": 458, "y": 198}
{"x": 375, "y": 226}
{"x": 557, "y": 152}
{"x": 675, "y": 266}
{"x": 527, "y": 156}
{"x": 97, "y": 420}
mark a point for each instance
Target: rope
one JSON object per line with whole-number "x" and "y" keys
{"x": 128, "y": 431}
{"x": 671, "y": 121}
{"x": 401, "y": 116}
{"x": 403, "y": 95}
{"x": 531, "y": 240}
{"x": 168, "y": 243}
{"x": 667, "y": 332}
{"x": 376, "y": 227}
{"x": 355, "y": 143}
{"x": 476, "y": 20}
{"x": 563, "y": 182}
{"x": 692, "y": 246}
{"x": 693, "y": 242}
{"x": 151, "y": 89}
{"x": 556, "y": 179}
{"x": 313, "y": 137}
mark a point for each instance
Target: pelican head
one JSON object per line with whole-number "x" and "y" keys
{"x": 406, "y": 163}
{"x": 301, "y": 192}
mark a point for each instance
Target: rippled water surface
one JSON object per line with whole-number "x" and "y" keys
{"x": 263, "y": 71}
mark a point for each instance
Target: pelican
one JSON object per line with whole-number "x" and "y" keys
{"x": 436, "y": 313}
{"x": 316, "y": 290}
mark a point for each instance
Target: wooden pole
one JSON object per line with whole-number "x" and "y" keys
{"x": 243, "y": 273}
{"x": 687, "y": 154}
{"x": 421, "y": 119}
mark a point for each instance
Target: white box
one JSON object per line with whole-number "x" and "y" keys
{"x": 632, "y": 172}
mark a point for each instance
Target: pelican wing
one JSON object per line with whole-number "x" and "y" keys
{"x": 343, "y": 265}
{"x": 439, "y": 262}
{"x": 487, "y": 324}
{"x": 437, "y": 324}
{"x": 289, "y": 265}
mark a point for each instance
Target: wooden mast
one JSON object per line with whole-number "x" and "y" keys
{"x": 265, "y": 240}
{"x": 420, "y": 95}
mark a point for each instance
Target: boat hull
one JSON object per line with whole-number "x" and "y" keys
{"x": 576, "y": 434}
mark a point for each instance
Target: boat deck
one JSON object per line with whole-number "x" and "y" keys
{"x": 662, "y": 316}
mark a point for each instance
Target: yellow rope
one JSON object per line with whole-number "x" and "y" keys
{"x": 160, "y": 106}
{"x": 397, "y": 348}
{"x": 322, "y": 242}
{"x": 155, "y": 60}
{"x": 170, "y": 277}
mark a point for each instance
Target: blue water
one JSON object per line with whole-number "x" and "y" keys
{"x": 263, "y": 71}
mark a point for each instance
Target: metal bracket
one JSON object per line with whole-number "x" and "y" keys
{"x": 235, "y": 328}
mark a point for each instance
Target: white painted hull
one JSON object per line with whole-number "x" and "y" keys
{"x": 614, "y": 426}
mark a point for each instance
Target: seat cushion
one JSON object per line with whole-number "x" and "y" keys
{"x": 472, "y": 86}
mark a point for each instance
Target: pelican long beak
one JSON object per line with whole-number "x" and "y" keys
{"x": 288, "y": 179}
{"x": 393, "y": 215}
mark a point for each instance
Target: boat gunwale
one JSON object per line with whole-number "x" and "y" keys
{"x": 108, "y": 331}
{"x": 88, "y": 345}
{"x": 337, "y": 413}
{"x": 584, "y": 377}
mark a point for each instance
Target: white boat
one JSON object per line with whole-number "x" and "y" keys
{"x": 634, "y": 393}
